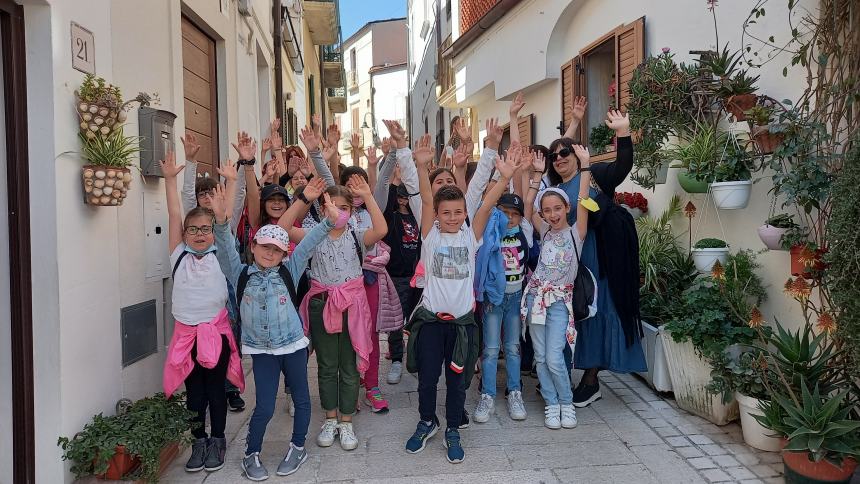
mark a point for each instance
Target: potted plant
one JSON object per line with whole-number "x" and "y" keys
{"x": 695, "y": 149}
{"x": 706, "y": 252}
{"x": 721, "y": 159}
{"x": 601, "y": 139}
{"x": 739, "y": 94}
{"x": 139, "y": 442}
{"x": 774, "y": 229}
{"x": 633, "y": 202}
{"x": 765, "y": 135}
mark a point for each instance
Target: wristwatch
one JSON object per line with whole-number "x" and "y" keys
{"x": 587, "y": 168}
{"x": 248, "y": 162}
{"x": 302, "y": 197}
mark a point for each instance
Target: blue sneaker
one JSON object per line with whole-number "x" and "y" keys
{"x": 422, "y": 434}
{"x": 452, "y": 443}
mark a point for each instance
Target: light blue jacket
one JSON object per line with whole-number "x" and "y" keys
{"x": 490, "y": 279}
{"x": 269, "y": 318}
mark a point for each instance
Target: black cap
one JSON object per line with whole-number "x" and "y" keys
{"x": 402, "y": 192}
{"x": 512, "y": 201}
{"x": 273, "y": 189}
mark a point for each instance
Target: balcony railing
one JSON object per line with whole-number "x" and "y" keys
{"x": 332, "y": 56}
{"x": 336, "y": 99}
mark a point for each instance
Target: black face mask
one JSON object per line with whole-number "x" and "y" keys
{"x": 563, "y": 153}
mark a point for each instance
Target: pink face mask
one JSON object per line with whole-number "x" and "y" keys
{"x": 357, "y": 201}
{"x": 342, "y": 219}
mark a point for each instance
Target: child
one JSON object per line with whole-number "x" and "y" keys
{"x": 442, "y": 329}
{"x": 547, "y": 304}
{"x": 501, "y": 266}
{"x": 202, "y": 351}
{"x": 335, "y": 311}
{"x": 271, "y": 330}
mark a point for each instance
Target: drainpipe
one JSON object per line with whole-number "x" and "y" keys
{"x": 278, "y": 17}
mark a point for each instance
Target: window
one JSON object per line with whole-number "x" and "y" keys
{"x": 352, "y": 60}
{"x": 447, "y": 9}
{"x": 290, "y": 127}
{"x": 601, "y": 72}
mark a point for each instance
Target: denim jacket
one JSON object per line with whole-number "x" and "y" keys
{"x": 269, "y": 318}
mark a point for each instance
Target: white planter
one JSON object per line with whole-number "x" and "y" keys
{"x": 657, "y": 375}
{"x": 634, "y": 212}
{"x": 690, "y": 375}
{"x": 755, "y": 435}
{"x": 662, "y": 174}
{"x": 771, "y": 236}
{"x": 731, "y": 195}
{"x": 705, "y": 258}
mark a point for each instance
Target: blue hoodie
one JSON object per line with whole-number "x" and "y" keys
{"x": 489, "y": 265}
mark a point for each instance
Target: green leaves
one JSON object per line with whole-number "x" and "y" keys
{"x": 114, "y": 149}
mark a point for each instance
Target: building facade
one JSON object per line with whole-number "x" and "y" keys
{"x": 86, "y": 309}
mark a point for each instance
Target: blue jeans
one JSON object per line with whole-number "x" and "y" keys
{"x": 549, "y": 341}
{"x": 501, "y": 320}
{"x": 267, "y": 370}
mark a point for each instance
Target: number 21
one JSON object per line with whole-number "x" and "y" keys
{"x": 82, "y": 49}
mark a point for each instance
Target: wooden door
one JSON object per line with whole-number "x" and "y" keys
{"x": 201, "y": 94}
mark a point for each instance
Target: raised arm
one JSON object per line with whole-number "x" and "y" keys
{"x": 230, "y": 174}
{"x": 536, "y": 173}
{"x": 359, "y": 187}
{"x": 189, "y": 177}
{"x": 175, "y": 224}
{"x": 584, "y": 190}
{"x": 386, "y": 172}
{"x": 610, "y": 175}
{"x": 514, "y": 111}
{"x": 227, "y": 254}
{"x": 301, "y": 254}
{"x": 485, "y": 167}
{"x": 246, "y": 148}
{"x": 506, "y": 169}
{"x": 424, "y": 155}
{"x": 312, "y": 144}
{"x": 239, "y": 201}
{"x": 356, "y": 149}
{"x": 578, "y": 110}
{"x": 299, "y": 208}
{"x": 330, "y": 152}
{"x": 373, "y": 171}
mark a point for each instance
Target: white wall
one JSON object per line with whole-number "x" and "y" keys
{"x": 389, "y": 99}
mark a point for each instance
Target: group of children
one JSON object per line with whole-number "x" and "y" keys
{"x": 317, "y": 257}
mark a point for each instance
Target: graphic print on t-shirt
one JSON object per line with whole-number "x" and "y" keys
{"x": 511, "y": 256}
{"x": 451, "y": 263}
{"x": 410, "y": 234}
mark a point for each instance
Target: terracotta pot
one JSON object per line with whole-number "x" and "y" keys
{"x": 120, "y": 464}
{"x": 739, "y": 103}
{"x": 105, "y": 185}
{"x": 765, "y": 141}
{"x": 800, "y": 469}
{"x": 798, "y": 268}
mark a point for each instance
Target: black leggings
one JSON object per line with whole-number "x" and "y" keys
{"x": 205, "y": 388}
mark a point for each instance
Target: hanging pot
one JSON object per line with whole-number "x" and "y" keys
{"x": 105, "y": 185}
{"x": 771, "y": 236}
{"x": 731, "y": 195}
{"x": 755, "y": 435}
{"x": 764, "y": 140}
{"x": 690, "y": 184}
{"x": 704, "y": 259}
{"x": 800, "y": 469}
{"x": 798, "y": 268}
{"x": 739, "y": 103}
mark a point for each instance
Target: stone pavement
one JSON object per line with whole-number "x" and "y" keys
{"x": 632, "y": 435}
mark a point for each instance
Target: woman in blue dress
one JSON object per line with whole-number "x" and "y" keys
{"x": 611, "y": 339}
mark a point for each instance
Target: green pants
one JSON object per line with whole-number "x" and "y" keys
{"x": 337, "y": 373}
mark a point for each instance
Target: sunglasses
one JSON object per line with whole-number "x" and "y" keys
{"x": 563, "y": 153}
{"x": 194, "y": 230}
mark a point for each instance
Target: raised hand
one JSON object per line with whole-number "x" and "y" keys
{"x": 280, "y": 169}
{"x": 169, "y": 168}
{"x": 189, "y": 142}
{"x": 228, "y": 171}
{"x": 266, "y": 144}
{"x": 398, "y": 134}
{"x": 538, "y": 161}
{"x": 310, "y": 139}
{"x": 329, "y": 152}
{"x": 332, "y": 213}
{"x": 274, "y": 125}
{"x": 508, "y": 165}
{"x": 445, "y": 160}
{"x": 464, "y": 132}
{"x": 332, "y": 135}
{"x": 619, "y": 122}
{"x": 268, "y": 172}
{"x": 355, "y": 142}
{"x": 494, "y": 133}
{"x": 424, "y": 153}
{"x": 277, "y": 142}
{"x": 372, "y": 156}
{"x": 305, "y": 167}
{"x": 516, "y": 105}
{"x": 461, "y": 157}
{"x": 246, "y": 148}
{"x": 316, "y": 123}
{"x": 386, "y": 146}
{"x": 314, "y": 189}
{"x": 582, "y": 155}
{"x": 578, "y": 107}
{"x": 293, "y": 164}
{"x": 359, "y": 187}
{"x": 219, "y": 203}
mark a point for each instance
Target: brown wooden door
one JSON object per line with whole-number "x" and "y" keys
{"x": 201, "y": 94}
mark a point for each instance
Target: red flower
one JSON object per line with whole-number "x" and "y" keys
{"x": 632, "y": 200}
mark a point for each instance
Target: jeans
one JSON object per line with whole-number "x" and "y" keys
{"x": 409, "y": 297}
{"x": 435, "y": 347}
{"x": 204, "y": 389}
{"x": 498, "y": 321}
{"x": 549, "y": 341}
{"x": 267, "y": 369}
{"x": 337, "y": 373}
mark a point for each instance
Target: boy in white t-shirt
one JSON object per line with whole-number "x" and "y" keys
{"x": 443, "y": 329}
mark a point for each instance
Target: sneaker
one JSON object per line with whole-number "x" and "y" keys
{"x": 253, "y": 468}
{"x": 516, "y": 407}
{"x": 348, "y": 440}
{"x": 327, "y": 433}
{"x": 568, "y": 416}
{"x": 395, "y": 372}
{"x": 291, "y": 407}
{"x": 485, "y": 407}
{"x": 422, "y": 434}
{"x": 373, "y": 399}
{"x": 198, "y": 456}
{"x": 452, "y": 443}
{"x": 215, "y": 454}
{"x": 585, "y": 395}
{"x": 464, "y": 422}
{"x": 292, "y": 461}
{"x": 552, "y": 417}
{"x": 235, "y": 402}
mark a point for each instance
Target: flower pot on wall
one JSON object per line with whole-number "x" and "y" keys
{"x": 704, "y": 259}
{"x": 690, "y": 184}
{"x": 120, "y": 464}
{"x": 731, "y": 195}
{"x": 690, "y": 376}
{"x": 800, "y": 469}
{"x": 96, "y": 119}
{"x": 798, "y": 254}
{"x": 657, "y": 375}
{"x": 755, "y": 435}
{"x": 739, "y": 103}
{"x": 634, "y": 212}
{"x": 765, "y": 141}
{"x": 662, "y": 174}
{"x": 771, "y": 236}
{"x": 105, "y": 185}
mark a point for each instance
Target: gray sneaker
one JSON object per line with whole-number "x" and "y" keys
{"x": 292, "y": 461}
{"x": 198, "y": 456}
{"x": 215, "y": 454}
{"x": 516, "y": 407}
{"x": 485, "y": 407}
{"x": 253, "y": 468}
{"x": 395, "y": 372}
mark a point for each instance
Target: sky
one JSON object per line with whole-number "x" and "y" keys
{"x": 355, "y": 13}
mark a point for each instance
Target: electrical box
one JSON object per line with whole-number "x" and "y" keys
{"x": 139, "y": 331}
{"x": 156, "y": 133}
{"x": 155, "y": 228}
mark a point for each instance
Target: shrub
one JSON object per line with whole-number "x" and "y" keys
{"x": 710, "y": 243}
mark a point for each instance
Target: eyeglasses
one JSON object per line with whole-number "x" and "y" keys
{"x": 194, "y": 230}
{"x": 206, "y": 193}
{"x": 563, "y": 153}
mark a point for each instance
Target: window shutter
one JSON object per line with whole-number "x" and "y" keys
{"x": 571, "y": 87}
{"x": 525, "y": 125}
{"x": 630, "y": 46}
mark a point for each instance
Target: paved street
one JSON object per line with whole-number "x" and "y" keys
{"x": 632, "y": 435}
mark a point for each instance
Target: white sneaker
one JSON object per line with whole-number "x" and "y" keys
{"x": 291, "y": 407}
{"x": 348, "y": 440}
{"x": 327, "y": 433}
{"x": 516, "y": 407}
{"x": 485, "y": 407}
{"x": 552, "y": 416}
{"x": 395, "y": 372}
{"x": 568, "y": 416}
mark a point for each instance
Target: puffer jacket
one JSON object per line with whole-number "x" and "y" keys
{"x": 389, "y": 316}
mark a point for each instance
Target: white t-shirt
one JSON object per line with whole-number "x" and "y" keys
{"x": 557, "y": 264}
{"x": 335, "y": 261}
{"x": 199, "y": 288}
{"x": 449, "y": 265}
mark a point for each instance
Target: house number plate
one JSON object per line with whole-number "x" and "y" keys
{"x": 83, "y": 49}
